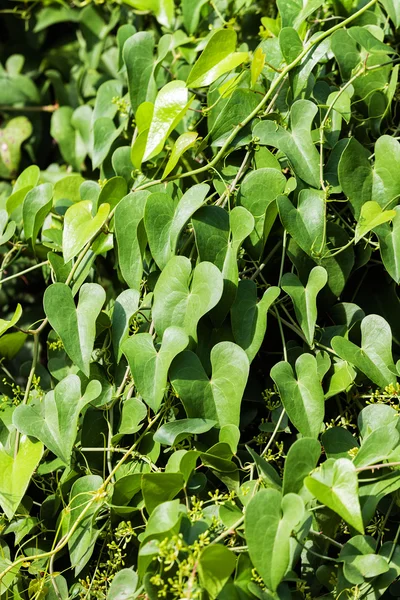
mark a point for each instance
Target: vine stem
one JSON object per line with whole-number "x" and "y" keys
{"x": 42, "y": 264}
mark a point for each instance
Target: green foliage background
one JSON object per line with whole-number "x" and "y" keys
{"x": 199, "y": 333}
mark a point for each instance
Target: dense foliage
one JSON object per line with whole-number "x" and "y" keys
{"x": 200, "y": 254}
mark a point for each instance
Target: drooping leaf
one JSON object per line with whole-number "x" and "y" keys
{"x": 76, "y": 326}
{"x": 269, "y": 522}
{"x": 177, "y": 303}
{"x": 297, "y": 144}
{"x": 149, "y": 366}
{"x": 125, "y": 307}
{"x": 302, "y": 395}
{"x": 54, "y": 421}
{"x": 305, "y": 298}
{"x": 335, "y": 484}
{"x": 35, "y": 208}
{"x": 218, "y": 398}
{"x": 183, "y": 143}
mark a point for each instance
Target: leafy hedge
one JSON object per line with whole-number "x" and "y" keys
{"x": 200, "y": 239}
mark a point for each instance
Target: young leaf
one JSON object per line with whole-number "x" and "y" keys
{"x": 176, "y": 303}
{"x": 269, "y": 522}
{"x": 217, "y": 58}
{"x": 218, "y": 398}
{"x": 335, "y": 484}
{"x": 54, "y": 421}
{"x": 16, "y": 473}
{"x": 170, "y": 106}
{"x": 150, "y": 367}
{"x": 371, "y": 216}
{"x": 249, "y": 317}
{"x": 164, "y": 220}
{"x": 374, "y": 358}
{"x": 183, "y": 143}
{"x": 305, "y": 298}
{"x": 80, "y": 227}
{"x": 76, "y": 326}
{"x": 297, "y": 144}
{"x": 302, "y": 396}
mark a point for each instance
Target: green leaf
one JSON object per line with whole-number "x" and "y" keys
{"x": 150, "y": 367}
{"x": 335, "y": 484}
{"x": 76, "y": 326}
{"x": 170, "y": 107}
{"x": 175, "y": 303}
{"x": 131, "y": 237}
{"x": 218, "y": 398}
{"x": 82, "y": 541}
{"x": 216, "y": 565}
{"x": 217, "y": 58}
{"x": 5, "y": 325}
{"x": 36, "y": 206}
{"x": 112, "y": 192}
{"x": 104, "y": 135}
{"x": 306, "y": 223}
{"x": 360, "y": 561}
{"x": 54, "y": 421}
{"x": 295, "y": 12}
{"x": 371, "y": 216}
{"x": 138, "y": 58}
{"x": 305, "y": 298}
{"x": 389, "y": 245}
{"x": 342, "y": 377}
{"x": 80, "y": 227}
{"x": 16, "y": 473}
{"x": 164, "y": 220}
{"x": 126, "y": 305}
{"x": 163, "y": 9}
{"x": 297, "y": 144}
{"x": 160, "y": 487}
{"x": 377, "y": 446}
{"x": 191, "y": 10}
{"x": 183, "y": 143}
{"x": 173, "y": 432}
{"x": 133, "y": 413}
{"x": 12, "y": 136}
{"x": 374, "y": 358}
{"x": 393, "y": 10}
{"x": 269, "y": 522}
{"x": 249, "y": 317}
{"x": 257, "y": 193}
{"x": 290, "y": 43}
{"x": 301, "y": 459}
{"x": 123, "y": 585}
{"x": 302, "y": 395}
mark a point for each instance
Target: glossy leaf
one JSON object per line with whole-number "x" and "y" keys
{"x": 183, "y": 143}
{"x": 80, "y": 227}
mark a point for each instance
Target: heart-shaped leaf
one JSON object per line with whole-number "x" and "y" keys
{"x": 306, "y": 222}
{"x": 249, "y": 317}
{"x": 54, "y": 421}
{"x": 138, "y": 58}
{"x": 297, "y": 144}
{"x": 302, "y": 395}
{"x": 216, "y": 564}
{"x": 374, "y": 358}
{"x": 126, "y": 305}
{"x": 164, "y": 220}
{"x": 12, "y": 136}
{"x": 160, "y": 487}
{"x": 7, "y": 229}
{"x": 305, "y": 298}
{"x": 220, "y": 397}
{"x": 217, "y": 58}
{"x": 257, "y": 193}
{"x": 76, "y": 326}
{"x": 176, "y": 303}
{"x": 16, "y": 473}
{"x": 123, "y": 585}
{"x": 150, "y": 367}
{"x": 335, "y": 484}
{"x": 371, "y": 216}
{"x": 269, "y": 522}
{"x": 80, "y": 227}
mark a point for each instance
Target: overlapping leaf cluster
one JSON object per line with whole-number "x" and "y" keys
{"x": 200, "y": 239}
